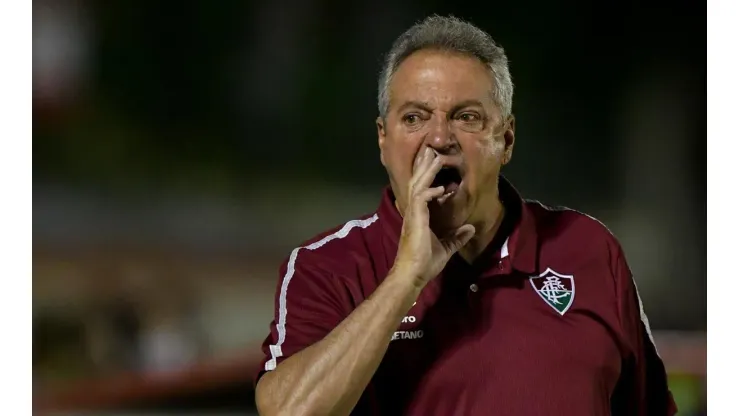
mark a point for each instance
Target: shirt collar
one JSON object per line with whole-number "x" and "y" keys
{"x": 518, "y": 251}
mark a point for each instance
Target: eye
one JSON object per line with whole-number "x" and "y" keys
{"x": 469, "y": 117}
{"x": 411, "y": 119}
{"x": 470, "y": 121}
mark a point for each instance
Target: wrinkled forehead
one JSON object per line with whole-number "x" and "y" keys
{"x": 441, "y": 79}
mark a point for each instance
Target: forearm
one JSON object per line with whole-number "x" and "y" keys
{"x": 330, "y": 376}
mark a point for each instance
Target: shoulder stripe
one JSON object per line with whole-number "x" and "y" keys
{"x": 276, "y": 349}
{"x": 644, "y": 318}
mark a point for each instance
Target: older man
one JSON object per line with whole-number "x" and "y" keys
{"x": 457, "y": 297}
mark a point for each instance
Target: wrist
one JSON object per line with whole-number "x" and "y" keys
{"x": 405, "y": 281}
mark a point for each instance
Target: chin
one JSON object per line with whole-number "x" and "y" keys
{"x": 447, "y": 218}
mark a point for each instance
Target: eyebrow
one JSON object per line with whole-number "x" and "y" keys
{"x": 426, "y": 107}
{"x": 466, "y": 103}
{"x": 414, "y": 104}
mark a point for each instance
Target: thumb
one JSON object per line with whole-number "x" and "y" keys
{"x": 459, "y": 238}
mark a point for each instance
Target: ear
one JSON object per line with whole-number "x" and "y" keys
{"x": 509, "y": 139}
{"x": 380, "y": 125}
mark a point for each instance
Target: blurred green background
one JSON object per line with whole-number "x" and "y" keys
{"x": 181, "y": 149}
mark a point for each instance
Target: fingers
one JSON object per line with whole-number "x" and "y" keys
{"x": 426, "y": 168}
{"x": 422, "y": 164}
{"x": 421, "y": 158}
{"x": 431, "y": 193}
{"x": 418, "y": 213}
{"x": 458, "y": 239}
{"x": 427, "y": 177}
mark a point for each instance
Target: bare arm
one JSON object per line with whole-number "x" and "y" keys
{"x": 329, "y": 377}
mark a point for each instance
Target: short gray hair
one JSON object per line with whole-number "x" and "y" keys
{"x": 450, "y": 34}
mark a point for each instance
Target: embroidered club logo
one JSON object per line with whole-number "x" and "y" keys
{"x": 557, "y": 290}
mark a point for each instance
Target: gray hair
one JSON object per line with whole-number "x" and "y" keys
{"x": 450, "y": 34}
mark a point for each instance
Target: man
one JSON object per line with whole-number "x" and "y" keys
{"x": 457, "y": 297}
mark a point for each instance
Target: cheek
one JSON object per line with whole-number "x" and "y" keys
{"x": 399, "y": 155}
{"x": 489, "y": 149}
{"x": 485, "y": 160}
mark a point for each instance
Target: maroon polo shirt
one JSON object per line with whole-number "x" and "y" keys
{"x": 547, "y": 321}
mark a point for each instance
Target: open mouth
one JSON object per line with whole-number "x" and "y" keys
{"x": 450, "y": 178}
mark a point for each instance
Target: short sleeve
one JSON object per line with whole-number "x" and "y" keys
{"x": 643, "y": 385}
{"x": 309, "y": 303}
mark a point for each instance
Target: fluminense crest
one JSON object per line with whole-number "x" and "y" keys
{"x": 557, "y": 290}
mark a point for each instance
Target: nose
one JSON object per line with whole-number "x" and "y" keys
{"x": 440, "y": 136}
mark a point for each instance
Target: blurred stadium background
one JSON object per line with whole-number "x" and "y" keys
{"x": 181, "y": 149}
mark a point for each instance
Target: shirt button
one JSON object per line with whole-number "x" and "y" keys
{"x": 474, "y": 287}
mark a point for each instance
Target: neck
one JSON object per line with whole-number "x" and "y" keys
{"x": 486, "y": 230}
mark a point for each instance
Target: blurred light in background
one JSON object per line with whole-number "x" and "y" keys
{"x": 182, "y": 149}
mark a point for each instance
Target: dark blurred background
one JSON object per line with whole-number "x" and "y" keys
{"x": 182, "y": 149}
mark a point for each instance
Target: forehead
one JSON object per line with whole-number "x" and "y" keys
{"x": 441, "y": 78}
